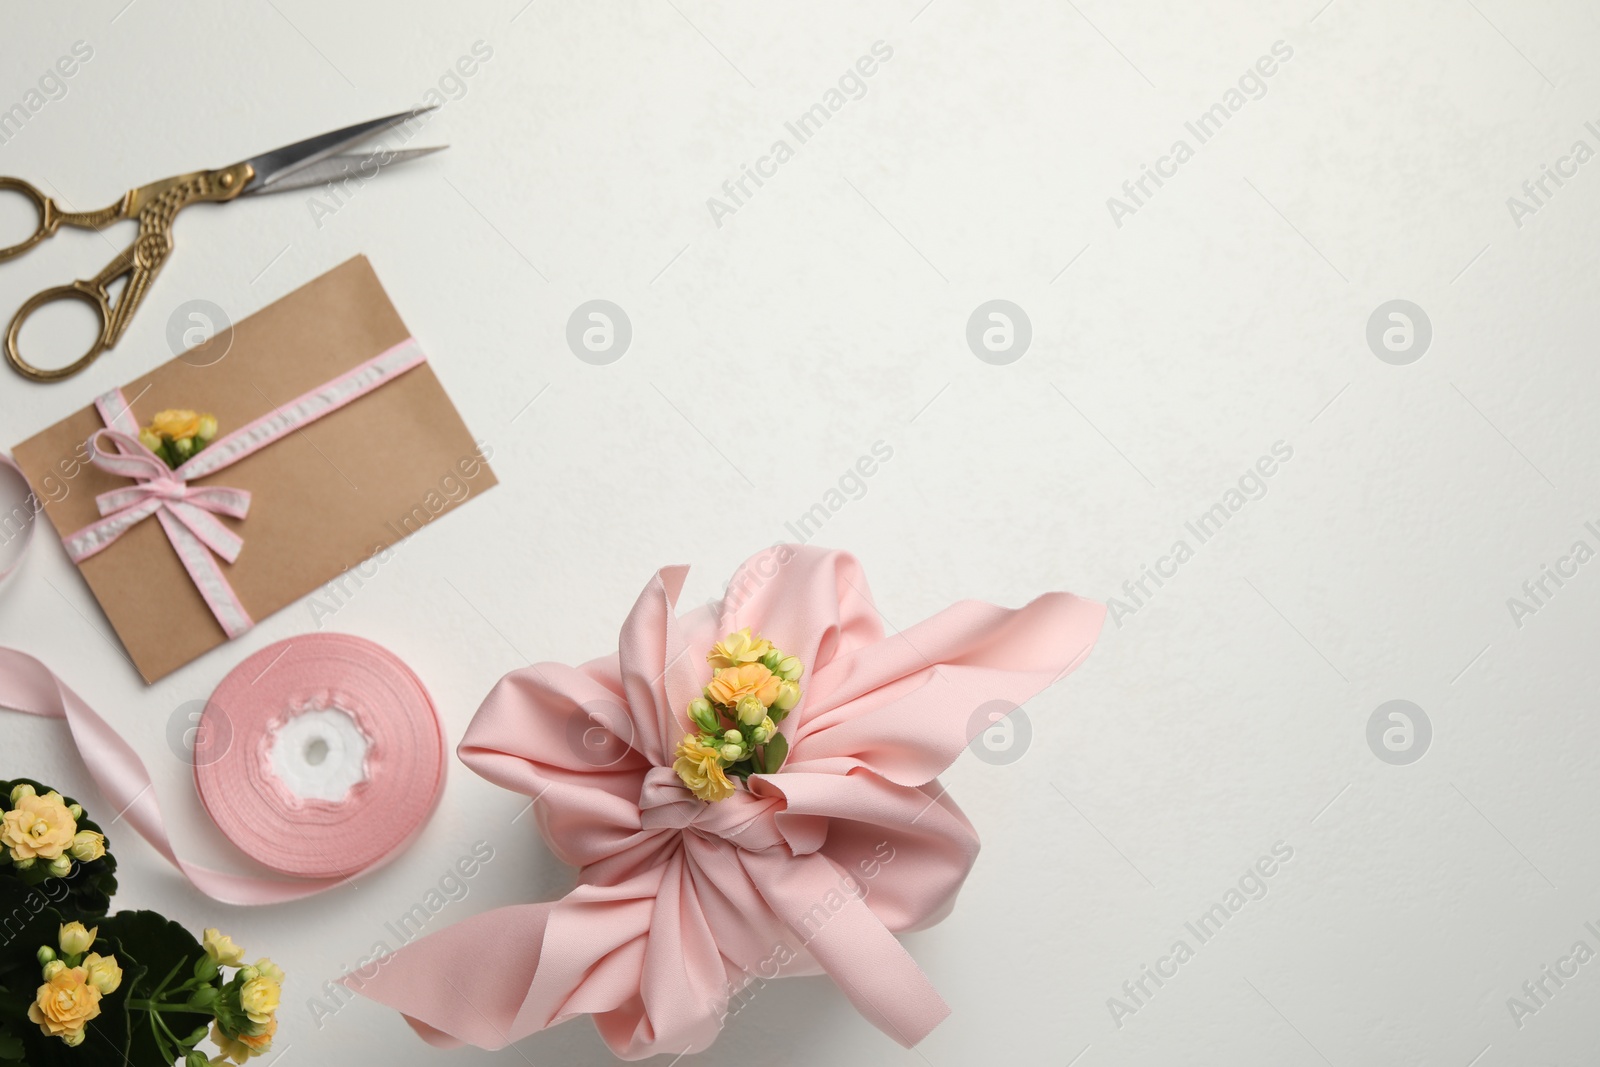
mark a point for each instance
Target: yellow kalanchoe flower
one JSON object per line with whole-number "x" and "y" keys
{"x": 699, "y": 766}
{"x": 175, "y": 423}
{"x": 738, "y": 648}
{"x": 75, "y": 939}
{"x": 730, "y": 684}
{"x": 104, "y": 972}
{"x": 750, "y": 710}
{"x": 241, "y": 1048}
{"x": 259, "y": 999}
{"x": 87, "y": 845}
{"x": 267, "y": 969}
{"x": 65, "y": 1004}
{"x": 39, "y": 827}
{"x": 220, "y": 947}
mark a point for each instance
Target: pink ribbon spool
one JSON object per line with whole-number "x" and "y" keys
{"x": 242, "y": 730}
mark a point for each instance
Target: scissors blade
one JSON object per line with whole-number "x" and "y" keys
{"x": 352, "y": 166}
{"x": 277, "y": 165}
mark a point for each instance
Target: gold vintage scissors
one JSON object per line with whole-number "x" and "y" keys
{"x": 315, "y": 161}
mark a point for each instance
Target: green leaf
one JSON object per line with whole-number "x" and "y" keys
{"x": 156, "y": 947}
{"x": 774, "y": 753}
{"x": 10, "y": 1045}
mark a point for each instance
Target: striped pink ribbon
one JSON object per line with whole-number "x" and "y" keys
{"x": 188, "y": 513}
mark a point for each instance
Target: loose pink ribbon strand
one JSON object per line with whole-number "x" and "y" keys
{"x": 28, "y": 686}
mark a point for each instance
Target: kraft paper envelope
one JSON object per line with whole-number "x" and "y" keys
{"x": 324, "y": 498}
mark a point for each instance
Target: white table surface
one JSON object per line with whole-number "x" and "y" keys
{"x": 1169, "y": 353}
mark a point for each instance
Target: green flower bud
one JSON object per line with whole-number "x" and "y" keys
{"x": 764, "y": 731}
{"x": 733, "y": 737}
{"x": 53, "y": 968}
{"x": 20, "y": 791}
{"x": 45, "y": 954}
{"x": 703, "y": 714}
{"x": 195, "y": 1059}
{"x": 771, "y": 660}
{"x": 61, "y": 866}
{"x": 183, "y": 446}
{"x": 732, "y": 753}
{"x": 22, "y": 865}
{"x": 75, "y": 810}
{"x": 790, "y": 669}
{"x": 788, "y": 696}
{"x": 751, "y": 710}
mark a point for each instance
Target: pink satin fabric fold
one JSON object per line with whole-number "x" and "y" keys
{"x": 681, "y": 903}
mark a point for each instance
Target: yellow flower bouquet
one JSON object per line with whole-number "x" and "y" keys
{"x": 753, "y": 687}
{"x": 176, "y": 434}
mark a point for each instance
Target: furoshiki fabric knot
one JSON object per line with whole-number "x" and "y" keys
{"x": 812, "y": 869}
{"x": 744, "y": 820}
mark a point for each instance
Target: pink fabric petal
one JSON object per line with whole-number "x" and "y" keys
{"x": 647, "y": 651}
{"x": 906, "y": 705}
{"x": 558, "y": 735}
{"x": 812, "y": 603}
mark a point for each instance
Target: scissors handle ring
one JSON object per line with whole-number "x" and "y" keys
{"x": 85, "y": 292}
{"x": 43, "y": 206}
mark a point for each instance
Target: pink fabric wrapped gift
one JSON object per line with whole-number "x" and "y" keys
{"x": 815, "y": 868}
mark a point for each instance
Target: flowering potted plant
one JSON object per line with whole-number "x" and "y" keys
{"x": 80, "y": 986}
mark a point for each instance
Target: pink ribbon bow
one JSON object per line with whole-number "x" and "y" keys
{"x": 681, "y": 904}
{"x": 186, "y": 512}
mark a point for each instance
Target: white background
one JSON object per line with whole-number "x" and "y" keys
{"x": 829, "y": 312}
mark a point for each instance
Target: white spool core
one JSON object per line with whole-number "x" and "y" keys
{"x": 320, "y": 754}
